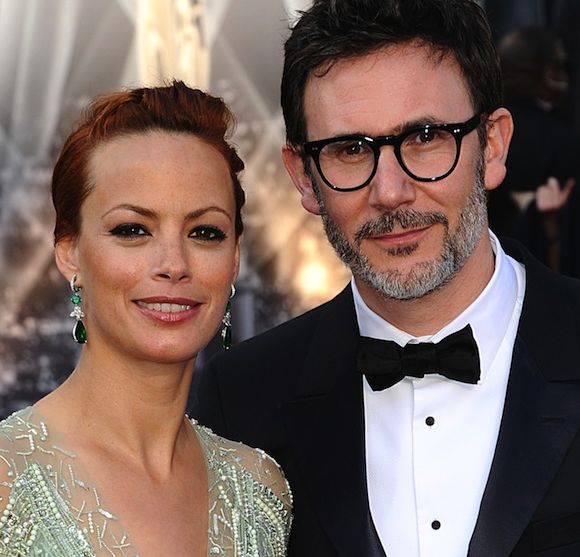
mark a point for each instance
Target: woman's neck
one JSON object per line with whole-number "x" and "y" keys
{"x": 132, "y": 409}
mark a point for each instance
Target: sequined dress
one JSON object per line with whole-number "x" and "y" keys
{"x": 50, "y": 507}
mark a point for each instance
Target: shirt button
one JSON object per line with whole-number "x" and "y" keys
{"x": 430, "y": 421}
{"x": 435, "y": 525}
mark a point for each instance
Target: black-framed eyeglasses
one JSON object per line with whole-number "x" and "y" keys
{"x": 427, "y": 153}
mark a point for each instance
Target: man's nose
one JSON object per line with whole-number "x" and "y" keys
{"x": 390, "y": 187}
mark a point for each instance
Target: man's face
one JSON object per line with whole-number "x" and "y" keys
{"x": 426, "y": 276}
{"x": 401, "y": 237}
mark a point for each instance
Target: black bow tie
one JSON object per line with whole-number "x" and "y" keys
{"x": 385, "y": 363}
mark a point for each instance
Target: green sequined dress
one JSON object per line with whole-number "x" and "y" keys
{"x": 50, "y": 508}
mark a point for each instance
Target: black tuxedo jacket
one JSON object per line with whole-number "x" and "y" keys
{"x": 294, "y": 391}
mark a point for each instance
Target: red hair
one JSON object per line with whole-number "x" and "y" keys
{"x": 176, "y": 108}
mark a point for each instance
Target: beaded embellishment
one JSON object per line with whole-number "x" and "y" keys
{"x": 250, "y": 500}
{"x": 49, "y": 509}
{"x": 36, "y": 498}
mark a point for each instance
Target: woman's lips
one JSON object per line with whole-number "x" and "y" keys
{"x": 164, "y": 307}
{"x": 168, "y": 310}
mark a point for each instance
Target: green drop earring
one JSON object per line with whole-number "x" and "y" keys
{"x": 79, "y": 332}
{"x": 227, "y": 322}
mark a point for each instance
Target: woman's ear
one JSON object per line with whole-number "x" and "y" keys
{"x": 499, "y": 128}
{"x": 66, "y": 257}
{"x": 236, "y": 262}
{"x": 295, "y": 167}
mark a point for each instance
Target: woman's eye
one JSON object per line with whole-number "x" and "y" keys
{"x": 208, "y": 234}
{"x": 129, "y": 230}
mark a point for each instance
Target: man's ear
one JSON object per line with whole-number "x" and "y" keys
{"x": 66, "y": 257}
{"x": 500, "y": 128}
{"x": 295, "y": 167}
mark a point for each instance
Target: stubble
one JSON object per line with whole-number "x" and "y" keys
{"x": 423, "y": 277}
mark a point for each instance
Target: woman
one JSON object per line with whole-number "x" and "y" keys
{"x": 148, "y": 222}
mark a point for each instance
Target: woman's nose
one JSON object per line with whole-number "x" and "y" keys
{"x": 173, "y": 262}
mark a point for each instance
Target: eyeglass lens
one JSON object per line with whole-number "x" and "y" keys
{"x": 425, "y": 154}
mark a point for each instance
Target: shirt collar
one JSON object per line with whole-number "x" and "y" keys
{"x": 489, "y": 314}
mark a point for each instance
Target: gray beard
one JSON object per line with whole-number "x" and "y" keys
{"x": 423, "y": 278}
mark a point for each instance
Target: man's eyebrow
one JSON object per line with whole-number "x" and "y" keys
{"x": 398, "y": 129}
{"x": 415, "y": 123}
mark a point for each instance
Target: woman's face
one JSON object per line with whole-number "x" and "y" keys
{"x": 157, "y": 251}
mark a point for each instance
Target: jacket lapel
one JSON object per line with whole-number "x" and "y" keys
{"x": 326, "y": 426}
{"x": 540, "y": 418}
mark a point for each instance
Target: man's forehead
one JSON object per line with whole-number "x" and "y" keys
{"x": 430, "y": 53}
{"x": 410, "y": 80}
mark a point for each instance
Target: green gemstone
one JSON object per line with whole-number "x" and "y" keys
{"x": 80, "y": 333}
{"x": 75, "y": 299}
{"x": 227, "y": 338}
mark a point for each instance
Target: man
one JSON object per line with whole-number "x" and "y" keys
{"x": 465, "y": 442}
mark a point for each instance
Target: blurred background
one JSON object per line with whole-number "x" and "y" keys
{"x": 55, "y": 55}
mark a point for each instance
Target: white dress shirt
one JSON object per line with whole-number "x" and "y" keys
{"x": 430, "y": 441}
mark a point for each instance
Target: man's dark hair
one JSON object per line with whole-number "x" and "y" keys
{"x": 333, "y": 30}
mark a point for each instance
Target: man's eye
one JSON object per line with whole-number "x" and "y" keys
{"x": 129, "y": 230}
{"x": 426, "y": 135}
{"x": 347, "y": 150}
{"x": 352, "y": 148}
{"x": 208, "y": 234}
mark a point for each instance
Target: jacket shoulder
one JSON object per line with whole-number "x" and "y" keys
{"x": 287, "y": 341}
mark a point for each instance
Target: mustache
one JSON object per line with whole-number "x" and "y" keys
{"x": 385, "y": 223}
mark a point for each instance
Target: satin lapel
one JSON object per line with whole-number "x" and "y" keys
{"x": 539, "y": 423}
{"x": 540, "y": 418}
{"x": 326, "y": 426}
